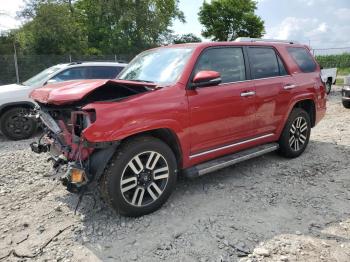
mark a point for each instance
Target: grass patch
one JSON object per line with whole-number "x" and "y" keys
{"x": 344, "y": 71}
{"x": 340, "y": 81}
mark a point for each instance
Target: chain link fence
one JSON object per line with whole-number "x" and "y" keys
{"x": 29, "y": 65}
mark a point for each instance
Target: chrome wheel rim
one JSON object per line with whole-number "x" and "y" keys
{"x": 298, "y": 134}
{"x": 144, "y": 178}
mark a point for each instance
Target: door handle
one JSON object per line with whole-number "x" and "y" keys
{"x": 249, "y": 93}
{"x": 289, "y": 86}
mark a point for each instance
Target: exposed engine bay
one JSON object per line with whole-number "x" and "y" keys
{"x": 76, "y": 161}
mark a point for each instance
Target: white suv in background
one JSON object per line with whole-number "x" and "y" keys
{"x": 15, "y": 103}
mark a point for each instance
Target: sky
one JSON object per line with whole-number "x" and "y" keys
{"x": 322, "y": 23}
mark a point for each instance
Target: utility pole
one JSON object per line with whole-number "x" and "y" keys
{"x": 15, "y": 58}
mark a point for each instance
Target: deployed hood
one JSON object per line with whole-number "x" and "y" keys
{"x": 86, "y": 91}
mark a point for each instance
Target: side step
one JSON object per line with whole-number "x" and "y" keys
{"x": 225, "y": 161}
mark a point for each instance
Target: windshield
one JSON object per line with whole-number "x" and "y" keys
{"x": 163, "y": 65}
{"x": 42, "y": 76}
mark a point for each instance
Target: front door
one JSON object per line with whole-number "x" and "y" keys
{"x": 224, "y": 113}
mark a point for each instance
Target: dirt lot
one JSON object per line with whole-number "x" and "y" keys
{"x": 267, "y": 209}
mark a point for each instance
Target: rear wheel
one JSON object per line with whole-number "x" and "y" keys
{"x": 16, "y": 125}
{"x": 140, "y": 177}
{"x": 346, "y": 104}
{"x": 296, "y": 134}
{"x": 328, "y": 86}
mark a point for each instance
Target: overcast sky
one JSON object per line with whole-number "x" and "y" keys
{"x": 325, "y": 23}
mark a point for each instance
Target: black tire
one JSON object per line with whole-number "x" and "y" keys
{"x": 346, "y": 104}
{"x": 328, "y": 86}
{"x": 287, "y": 147}
{"x": 119, "y": 169}
{"x": 15, "y": 126}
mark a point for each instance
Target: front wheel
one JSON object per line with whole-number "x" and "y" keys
{"x": 140, "y": 177}
{"x": 296, "y": 134}
{"x": 16, "y": 125}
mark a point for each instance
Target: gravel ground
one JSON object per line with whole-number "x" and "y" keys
{"x": 266, "y": 209}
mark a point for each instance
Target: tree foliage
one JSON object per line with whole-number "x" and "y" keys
{"x": 186, "y": 38}
{"x": 52, "y": 30}
{"x": 230, "y": 18}
{"x": 95, "y": 27}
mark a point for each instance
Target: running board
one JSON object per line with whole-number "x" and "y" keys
{"x": 222, "y": 162}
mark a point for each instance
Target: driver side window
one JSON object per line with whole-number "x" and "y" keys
{"x": 71, "y": 74}
{"x": 228, "y": 61}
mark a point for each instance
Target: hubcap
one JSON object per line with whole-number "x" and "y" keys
{"x": 144, "y": 178}
{"x": 298, "y": 133}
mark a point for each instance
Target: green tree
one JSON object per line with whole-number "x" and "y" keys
{"x": 223, "y": 19}
{"x": 186, "y": 38}
{"x": 53, "y": 29}
{"x": 127, "y": 26}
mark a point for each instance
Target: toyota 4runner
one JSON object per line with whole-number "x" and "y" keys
{"x": 185, "y": 109}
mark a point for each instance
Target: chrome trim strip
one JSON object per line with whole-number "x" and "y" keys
{"x": 231, "y": 145}
{"x": 237, "y": 160}
{"x": 249, "y": 80}
{"x": 345, "y": 98}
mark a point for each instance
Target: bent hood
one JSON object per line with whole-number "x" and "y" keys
{"x": 73, "y": 91}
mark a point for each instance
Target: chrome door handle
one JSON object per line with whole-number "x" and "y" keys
{"x": 249, "y": 93}
{"x": 287, "y": 87}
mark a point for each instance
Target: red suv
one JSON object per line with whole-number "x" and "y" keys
{"x": 184, "y": 109}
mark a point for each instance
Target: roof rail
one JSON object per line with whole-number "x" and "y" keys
{"x": 248, "y": 39}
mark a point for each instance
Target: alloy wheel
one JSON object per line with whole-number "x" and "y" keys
{"x": 298, "y": 133}
{"x": 19, "y": 124}
{"x": 144, "y": 178}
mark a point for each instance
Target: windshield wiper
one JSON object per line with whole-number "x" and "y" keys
{"x": 140, "y": 80}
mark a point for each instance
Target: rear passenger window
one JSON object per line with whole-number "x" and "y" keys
{"x": 283, "y": 70}
{"x": 264, "y": 63}
{"x": 228, "y": 61}
{"x": 303, "y": 59}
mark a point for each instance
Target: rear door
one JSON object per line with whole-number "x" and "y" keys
{"x": 223, "y": 113}
{"x": 272, "y": 82}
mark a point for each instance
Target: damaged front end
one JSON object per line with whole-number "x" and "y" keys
{"x": 76, "y": 162}
{"x": 65, "y": 117}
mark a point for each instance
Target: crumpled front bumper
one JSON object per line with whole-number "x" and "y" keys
{"x": 76, "y": 162}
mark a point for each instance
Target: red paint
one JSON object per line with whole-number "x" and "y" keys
{"x": 204, "y": 118}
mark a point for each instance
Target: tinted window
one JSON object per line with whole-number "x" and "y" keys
{"x": 228, "y": 61}
{"x": 263, "y": 62}
{"x": 303, "y": 59}
{"x": 103, "y": 72}
{"x": 283, "y": 70}
{"x": 71, "y": 74}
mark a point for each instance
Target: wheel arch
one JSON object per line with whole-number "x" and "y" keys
{"x": 7, "y": 106}
{"x": 166, "y": 135}
{"x": 309, "y": 106}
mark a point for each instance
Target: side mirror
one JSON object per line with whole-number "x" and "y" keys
{"x": 206, "y": 78}
{"x": 51, "y": 81}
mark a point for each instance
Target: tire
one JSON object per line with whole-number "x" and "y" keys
{"x": 298, "y": 126}
{"x": 15, "y": 126}
{"x": 346, "y": 104}
{"x": 328, "y": 86}
{"x": 133, "y": 189}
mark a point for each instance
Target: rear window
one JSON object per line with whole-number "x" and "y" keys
{"x": 264, "y": 63}
{"x": 303, "y": 59}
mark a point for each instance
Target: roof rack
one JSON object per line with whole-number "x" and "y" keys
{"x": 248, "y": 39}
